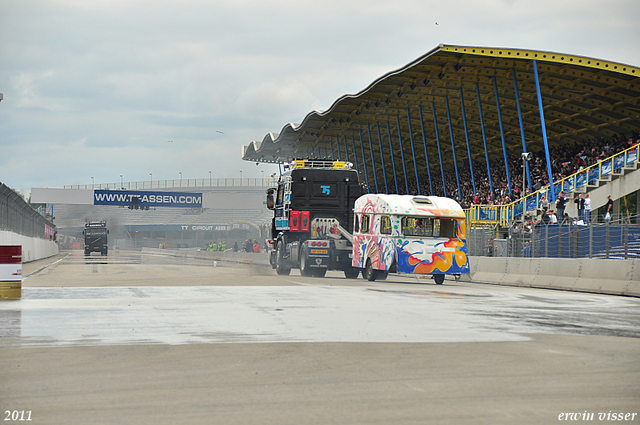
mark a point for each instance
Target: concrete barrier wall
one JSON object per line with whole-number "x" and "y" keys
{"x": 619, "y": 277}
{"x": 32, "y": 248}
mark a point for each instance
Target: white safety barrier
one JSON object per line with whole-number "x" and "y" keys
{"x": 618, "y": 277}
{"x": 32, "y": 248}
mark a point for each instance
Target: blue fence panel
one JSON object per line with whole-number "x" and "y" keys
{"x": 618, "y": 162}
{"x": 594, "y": 174}
{"x": 632, "y": 156}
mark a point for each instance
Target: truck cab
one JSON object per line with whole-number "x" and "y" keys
{"x": 313, "y": 208}
{"x": 95, "y": 237}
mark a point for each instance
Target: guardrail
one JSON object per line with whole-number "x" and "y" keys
{"x": 503, "y": 214}
{"x": 179, "y": 183}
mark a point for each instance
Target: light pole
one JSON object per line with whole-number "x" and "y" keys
{"x": 209, "y": 177}
{"x": 92, "y": 182}
{"x": 180, "y": 172}
{"x": 240, "y": 177}
{"x": 151, "y": 178}
{"x": 121, "y": 182}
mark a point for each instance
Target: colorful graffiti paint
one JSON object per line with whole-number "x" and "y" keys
{"x": 412, "y": 254}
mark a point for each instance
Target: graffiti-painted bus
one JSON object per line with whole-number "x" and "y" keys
{"x": 409, "y": 234}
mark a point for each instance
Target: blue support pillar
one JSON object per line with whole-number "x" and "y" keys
{"x": 338, "y": 146}
{"x": 384, "y": 172}
{"x": 544, "y": 132}
{"x": 331, "y": 145}
{"x": 466, "y": 136}
{"x": 326, "y": 154}
{"x": 504, "y": 146}
{"x": 373, "y": 161}
{"x": 413, "y": 152}
{"x": 355, "y": 154}
{"x": 484, "y": 139}
{"x": 346, "y": 148}
{"x": 364, "y": 161}
{"x": 404, "y": 168}
{"x": 393, "y": 162}
{"x": 524, "y": 144}
{"x": 426, "y": 155}
{"x": 435, "y": 124}
{"x": 453, "y": 146}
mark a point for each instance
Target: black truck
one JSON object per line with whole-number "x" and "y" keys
{"x": 95, "y": 237}
{"x": 313, "y": 214}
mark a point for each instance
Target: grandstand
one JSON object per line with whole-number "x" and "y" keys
{"x": 459, "y": 120}
{"x": 238, "y": 213}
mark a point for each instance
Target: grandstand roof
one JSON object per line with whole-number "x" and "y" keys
{"x": 582, "y": 98}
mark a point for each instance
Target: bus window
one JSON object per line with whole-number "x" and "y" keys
{"x": 364, "y": 225}
{"x": 385, "y": 225}
{"x": 418, "y": 226}
{"x": 447, "y": 228}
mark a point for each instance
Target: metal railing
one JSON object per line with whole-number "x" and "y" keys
{"x": 615, "y": 239}
{"x": 17, "y": 216}
{"x": 178, "y": 183}
{"x": 504, "y": 214}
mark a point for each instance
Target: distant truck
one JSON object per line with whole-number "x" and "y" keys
{"x": 313, "y": 208}
{"x": 95, "y": 237}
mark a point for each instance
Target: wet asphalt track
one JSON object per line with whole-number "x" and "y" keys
{"x": 470, "y": 353}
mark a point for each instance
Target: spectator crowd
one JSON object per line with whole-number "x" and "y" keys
{"x": 566, "y": 159}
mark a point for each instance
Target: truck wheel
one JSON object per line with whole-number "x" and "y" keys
{"x": 369, "y": 273}
{"x": 351, "y": 273}
{"x": 304, "y": 262}
{"x": 382, "y": 275}
{"x": 281, "y": 268}
{"x": 439, "y": 278}
{"x": 320, "y": 272}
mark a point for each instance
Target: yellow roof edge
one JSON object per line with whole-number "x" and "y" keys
{"x": 499, "y": 52}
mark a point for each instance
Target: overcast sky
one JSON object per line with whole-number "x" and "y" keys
{"x": 108, "y": 87}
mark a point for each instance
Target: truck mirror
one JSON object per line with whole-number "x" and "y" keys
{"x": 270, "y": 200}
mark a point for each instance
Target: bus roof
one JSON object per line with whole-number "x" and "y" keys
{"x": 428, "y": 206}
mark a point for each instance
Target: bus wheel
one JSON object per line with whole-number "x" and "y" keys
{"x": 369, "y": 273}
{"x": 439, "y": 278}
{"x": 281, "y": 268}
{"x": 351, "y": 273}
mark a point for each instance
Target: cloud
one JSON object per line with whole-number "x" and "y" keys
{"x": 97, "y": 88}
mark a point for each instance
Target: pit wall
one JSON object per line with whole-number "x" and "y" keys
{"x": 32, "y": 248}
{"x": 616, "y": 277}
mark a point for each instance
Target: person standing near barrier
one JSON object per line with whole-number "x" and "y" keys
{"x": 560, "y": 205}
{"x": 608, "y": 209}
{"x": 579, "y": 201}
{"x": 544, "y": 203}
{"x": 587, "y": 209}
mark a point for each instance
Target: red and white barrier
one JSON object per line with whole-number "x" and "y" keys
{"x": 10, "y": 272}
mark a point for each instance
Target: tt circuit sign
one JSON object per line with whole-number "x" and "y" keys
{"x": 147, "y": 199}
